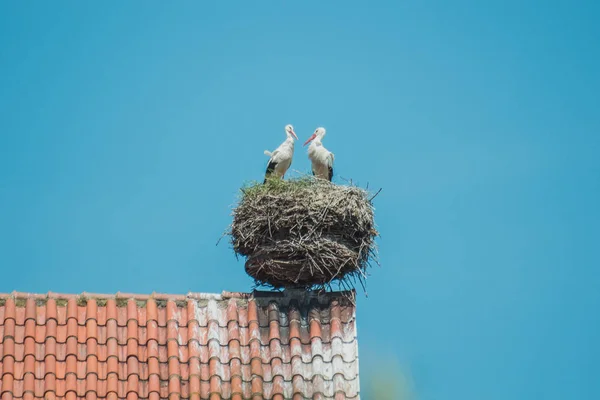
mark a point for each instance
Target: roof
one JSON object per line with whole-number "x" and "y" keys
{"x": 197, "y": 346}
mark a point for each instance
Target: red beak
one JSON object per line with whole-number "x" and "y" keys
{"x": 294, "y": 134}
{"x": 310, "y": 139}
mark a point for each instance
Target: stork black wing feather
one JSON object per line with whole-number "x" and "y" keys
{"x": 270, "y": 168}
{"x": 330, "y": 173}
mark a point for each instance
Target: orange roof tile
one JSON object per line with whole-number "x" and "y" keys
{"x": 196, "y": 346}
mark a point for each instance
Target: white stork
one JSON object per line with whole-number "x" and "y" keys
{"x": 320, "y": 157}
{"x": 281, "y": 158}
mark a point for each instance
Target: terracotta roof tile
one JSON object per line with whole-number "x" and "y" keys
{"x": 195, "y": 346}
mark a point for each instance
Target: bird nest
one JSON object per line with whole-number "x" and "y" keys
{"x": 304, "y": 233}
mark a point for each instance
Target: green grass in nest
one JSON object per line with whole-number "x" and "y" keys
{"x": 20, "y": 302}
{"x": 2, "y": 302}
{"x": 277, "y": 186}
{"x": 41, "y": 302}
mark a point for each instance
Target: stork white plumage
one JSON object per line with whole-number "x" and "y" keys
{"x": 320, "y": 157}
{"x": 281, "y": 159}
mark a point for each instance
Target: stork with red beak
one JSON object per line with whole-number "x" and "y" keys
{"x": 281, "y": 158}
{"x": 320, "y": 157}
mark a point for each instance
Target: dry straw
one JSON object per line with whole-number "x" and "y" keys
{"x": 305, "y": 232}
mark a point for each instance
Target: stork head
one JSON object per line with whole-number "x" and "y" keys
{"x": 319, "y": 133}
{"x": 289, "y": 130}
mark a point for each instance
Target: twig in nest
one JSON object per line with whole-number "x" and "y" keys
{"x": 375, "y": 195}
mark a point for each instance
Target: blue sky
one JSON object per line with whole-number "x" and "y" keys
{"x": 126, "y": 129}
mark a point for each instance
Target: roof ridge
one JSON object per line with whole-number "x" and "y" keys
{"x": 296, "y": 294}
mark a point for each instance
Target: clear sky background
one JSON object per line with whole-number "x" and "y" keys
{"x": 126, "y": 129}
